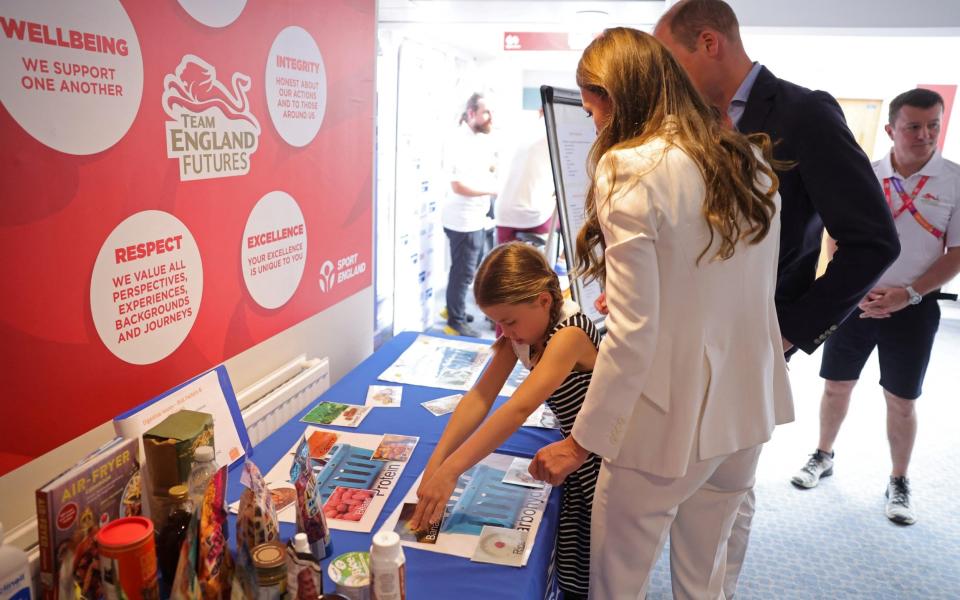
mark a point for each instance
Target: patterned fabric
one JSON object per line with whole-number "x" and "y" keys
{"x": 576, "y": 503}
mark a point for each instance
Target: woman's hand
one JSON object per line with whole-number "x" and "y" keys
{"x": 554, "y": 462}
{"x": 433, "y": 496}
{"x": 601, "y": 304}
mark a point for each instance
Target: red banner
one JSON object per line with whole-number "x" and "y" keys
{"x": 948, "y": 92}
{"x": 546, "y": 40}
{"x": 180, "y": 181}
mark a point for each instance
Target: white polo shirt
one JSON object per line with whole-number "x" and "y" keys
{"x": 470, "y": 158}
{"x": 526, "y": 199}
{"x": 938, "y": 202}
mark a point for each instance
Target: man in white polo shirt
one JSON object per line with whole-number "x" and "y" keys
{"x": 470, "y": 161}
{"x": 900, "y": 315}
{"x": 526, "y": 203}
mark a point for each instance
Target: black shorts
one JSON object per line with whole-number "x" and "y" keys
{"x": 903, "y": 341}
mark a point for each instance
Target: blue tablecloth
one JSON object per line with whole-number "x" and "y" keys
{"x": 430, "y": 575}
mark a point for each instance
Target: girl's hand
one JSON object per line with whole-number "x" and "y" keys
{"x": 433, "y": 496}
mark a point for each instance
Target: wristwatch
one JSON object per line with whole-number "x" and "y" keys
{"x": 915, "y": 298}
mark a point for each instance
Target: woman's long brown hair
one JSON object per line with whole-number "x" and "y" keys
{"x": 652, "y": 96}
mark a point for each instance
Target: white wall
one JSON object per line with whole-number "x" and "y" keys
{"x": 869, "y": 67}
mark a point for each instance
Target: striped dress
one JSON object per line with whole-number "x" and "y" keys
{"x": 576, "y": 503}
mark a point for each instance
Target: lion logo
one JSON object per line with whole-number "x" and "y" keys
{"x": 194, "y": 87}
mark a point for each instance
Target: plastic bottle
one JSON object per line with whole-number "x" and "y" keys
{"x": 387, "y": 567}
{"x": 300, "y": 543}
{"x": 171, "y": 535}
{"x": 15, "y": 582}
{"x": 203, "y": 469}
{"x": 304, "y": 573}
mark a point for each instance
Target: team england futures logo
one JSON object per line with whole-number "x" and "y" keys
{"x": 212, "y": 131}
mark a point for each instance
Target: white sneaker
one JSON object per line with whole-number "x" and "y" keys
{"x": 819, "y": 465}
{"x": 899, "y": 508}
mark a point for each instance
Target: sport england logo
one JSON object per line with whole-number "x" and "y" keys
{"x": 212, "y": 131}
{"x": 327, "y": 276}
{"x": 345, "y": 268}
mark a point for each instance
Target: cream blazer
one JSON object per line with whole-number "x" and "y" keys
{"x": 692, "y": 364}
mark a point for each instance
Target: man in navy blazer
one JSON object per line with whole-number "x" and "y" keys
{"x": 831, "y": 184}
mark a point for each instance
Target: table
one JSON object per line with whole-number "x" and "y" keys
{"x": 430, "y": 575}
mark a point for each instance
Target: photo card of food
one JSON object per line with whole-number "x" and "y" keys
{"x": 443, "y": 406}
{"x": 395, "y": 447}
{"x": 354, "y": 485}
{"x": 348, "y": 504}
{"x": 384, "y": 396}
{"x": 282, "y": 497}
{"x": 500, "y": 546}
{"x": 335, "y": 413}
{"x": 320, "y": 443}
{"x": 425, "y": 535}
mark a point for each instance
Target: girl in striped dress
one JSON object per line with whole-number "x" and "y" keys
{"x": 517, "y": 289}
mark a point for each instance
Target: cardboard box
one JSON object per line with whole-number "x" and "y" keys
{"x": 168, "y": 447}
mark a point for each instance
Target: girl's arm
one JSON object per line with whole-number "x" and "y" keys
{"x": 569, "y": 346}
{"x": 474, "y": 406}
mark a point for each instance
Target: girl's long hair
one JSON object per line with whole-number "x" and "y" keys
{"x": 652, "y": 96}
{"x": 514, "y": 273}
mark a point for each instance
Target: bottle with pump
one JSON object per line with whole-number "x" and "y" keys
{"x": 15, "y": 581}
{"x": 203, "y": 469}
{"x": 387, "y": 567}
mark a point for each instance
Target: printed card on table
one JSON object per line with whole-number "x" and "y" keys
{"x": 519, "y": 474}
{"x": 480, "y": 498}
{"x": 334, "y": 413}
{"x": 282, "y": 497}
{"x": 342, "y": 459}
{"x": 443, "y": 406}
{"x": 395, "y": 447}
{"x": 348, "y": 504}
{"x": 320, "y": 443}
{"x": 427, "y": 535}
{"x": 384, "y": 396}
{"x": 542, "y": 417}
{"x": 500, "y": 546}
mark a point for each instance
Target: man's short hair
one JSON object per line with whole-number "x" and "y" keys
{"x": 473, "y": 103}
{"x": 917, "y": 98}
{"x": 688, "y": 18}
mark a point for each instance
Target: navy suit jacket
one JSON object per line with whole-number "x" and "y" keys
{"x": 831, "y": 185}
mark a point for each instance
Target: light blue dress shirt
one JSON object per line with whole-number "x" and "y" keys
{"x": 739, "y": 101}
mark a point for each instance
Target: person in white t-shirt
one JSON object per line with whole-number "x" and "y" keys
{"x": 526, "y": 203}
{"x": 900, "y": 316}
{"x": 470, "y": 161}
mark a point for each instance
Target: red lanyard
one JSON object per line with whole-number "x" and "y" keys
{"x": 907, "y": 203}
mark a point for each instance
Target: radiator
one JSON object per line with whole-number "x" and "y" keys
{"x": 280, "y": 395}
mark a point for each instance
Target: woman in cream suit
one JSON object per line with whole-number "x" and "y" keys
{"x": 682, "y": 227}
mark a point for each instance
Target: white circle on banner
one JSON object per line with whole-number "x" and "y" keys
{"x": 214, "y": 13}
{"x": 71, "y": 73}
{"x": 274, "y": 249}
{"x": 296, "y": 86}
{"x": 146, "y": 287}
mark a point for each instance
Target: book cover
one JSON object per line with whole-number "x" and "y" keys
{"x": 72, "y": 507}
